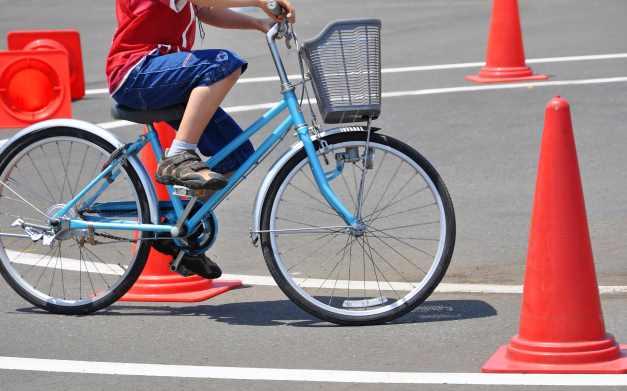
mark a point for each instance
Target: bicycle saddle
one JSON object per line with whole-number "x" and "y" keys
{"x": 172, "y": 113}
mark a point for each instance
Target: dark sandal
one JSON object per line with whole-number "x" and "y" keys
{"x": 187, "y": 169}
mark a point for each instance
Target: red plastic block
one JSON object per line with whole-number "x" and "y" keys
{"x": 68, "y": 40}
{"x": 34, "y": 86}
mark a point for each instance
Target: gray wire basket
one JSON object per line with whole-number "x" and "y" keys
{"x": 345, "y": 65}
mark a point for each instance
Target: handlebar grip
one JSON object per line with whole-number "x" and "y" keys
{"x": 275, "y": 7}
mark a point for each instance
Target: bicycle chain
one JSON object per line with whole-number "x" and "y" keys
{"x": 118, "y": 238}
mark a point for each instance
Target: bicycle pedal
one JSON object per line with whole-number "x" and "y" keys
{"x": 186, "y": 193}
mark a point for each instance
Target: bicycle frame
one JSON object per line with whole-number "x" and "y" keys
{"x": 294, "y": 119}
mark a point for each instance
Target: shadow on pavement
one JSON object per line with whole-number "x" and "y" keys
{"x": 284, "y": 312}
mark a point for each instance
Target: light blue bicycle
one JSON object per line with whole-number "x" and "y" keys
{"x": 356, "y": 227}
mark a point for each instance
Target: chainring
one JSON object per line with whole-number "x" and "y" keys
{"x": 198, "y": 242}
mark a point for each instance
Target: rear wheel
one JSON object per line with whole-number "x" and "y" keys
{"x": 79, "y": 271}
{"x": 380, "y": 271}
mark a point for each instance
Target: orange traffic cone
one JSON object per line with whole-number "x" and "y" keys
{"x": 505, "y": 60}
{"x": 34, "y": 86}
{"x": 157, "y": 283}
{"x": 65, "y": 40}
{"x": 561, "y": 323}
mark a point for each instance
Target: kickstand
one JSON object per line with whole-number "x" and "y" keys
{"x": 174, "y": 265}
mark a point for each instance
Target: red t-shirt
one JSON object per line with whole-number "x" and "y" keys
{"x": 145, "y": 26}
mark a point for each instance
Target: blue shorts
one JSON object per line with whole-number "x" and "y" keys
{"x": 167, "y": 80}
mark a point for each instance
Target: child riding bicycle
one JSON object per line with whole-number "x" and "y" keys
{"x": 151, "y": 65}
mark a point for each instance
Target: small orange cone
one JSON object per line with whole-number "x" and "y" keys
{"x": 561, "y": 323}
{"x": 505, "y": 61}
{"x": 157, "y": 283}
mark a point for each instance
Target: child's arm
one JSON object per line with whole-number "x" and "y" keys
{"x": 223, "y": 4}
{"x": 228, "y": 19}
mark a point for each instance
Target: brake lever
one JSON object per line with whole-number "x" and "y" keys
{"x": 289, "y": 37}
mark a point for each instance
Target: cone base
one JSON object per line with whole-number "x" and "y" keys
{"x": 501, "y": 362}
{"x": 177, "y": 289}
{"x": 505, "y": 75}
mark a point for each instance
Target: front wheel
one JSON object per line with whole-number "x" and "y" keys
{"x": 366, "y": 276}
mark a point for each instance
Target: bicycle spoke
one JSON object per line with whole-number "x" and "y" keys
{"x": 91, "y": 282}
{"x": 52, "y": 175}
{"x": 40, "y": 176}
{"x": 307, "y": 194}
{"x": 387, "y": 186}
{"x": 348, "y": 241}
{"x": 370, "y": 249}
{"x": 314, "y": 209}
{"x": 316, "y": 239}
{"x": 54, "y": 272}
{"x": 65, "y": 166}
{"x": 375, "y": 176}
{"x": 23, "y": 199}
{"x": 95, "y": 265}
{"x": 23, "y": 275}
{"x": 349, "y": 190}
{"x": 307, "y": 278}
{"x": 405, "y": 226}
{"x": 30, "y": 190}
{"x": 394, "y": 197}
{"x": 113, "y": 271}
{"x": 401, "y": 212}
{"x": 398, "y": 253}
{"x": 80, "y": 172}
{"x": 309, "y": 255}
{"x": 43, "y": 270}
{"x": 62, "y": 280}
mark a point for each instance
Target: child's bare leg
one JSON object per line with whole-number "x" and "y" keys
{"x": 182, "y": 166}
{"x": 201, "y": 106}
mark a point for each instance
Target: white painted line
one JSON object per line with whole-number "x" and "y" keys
{"x": 70, "y": 264}
{"x": 303, "y": 375}
{"x": 488, "y": 87}
{"x": 428, "y": 91}
{"x": 97, "y": 91}
{"x": 115, "y": 124}
{"x": 613, "y": 56}
{"x": 422, "y": 68}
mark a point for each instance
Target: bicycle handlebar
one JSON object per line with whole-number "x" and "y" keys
{"x": 275, "y": 7}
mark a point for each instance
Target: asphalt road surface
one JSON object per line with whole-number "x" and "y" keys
{"x": 484, "y": 143}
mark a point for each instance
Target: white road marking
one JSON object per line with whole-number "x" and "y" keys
{"x": 303, "y": 375}
{"x": 70, "y": 264}
{"x": 115, "y": 124}
{"x": 97, "y": 91}
{"x": 422, "y": 68}
{"x": 428, "y": 91}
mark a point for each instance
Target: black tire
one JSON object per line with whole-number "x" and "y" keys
{"x": 342, "y": 319}
{"x": 133, "y": 272}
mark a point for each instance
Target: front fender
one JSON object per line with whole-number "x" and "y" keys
{"x": 109, "y": 137}
{"x": 276, "y": 167}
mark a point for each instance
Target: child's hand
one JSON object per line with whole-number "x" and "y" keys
{"x": 264, "y": 25}
{"x": 289, "y": 8}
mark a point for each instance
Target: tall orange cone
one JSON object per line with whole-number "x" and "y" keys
{"x": 561, "y": 323}
{"x": 505, "y": 60}
{"x": 157, "y": 283}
